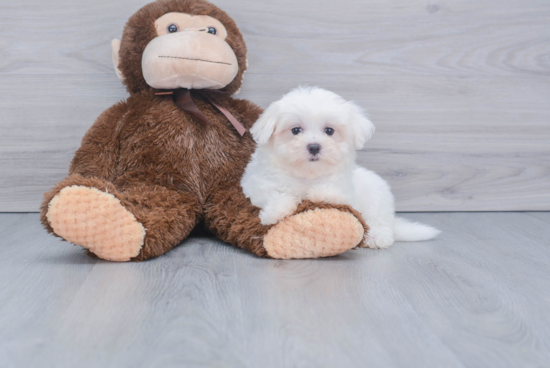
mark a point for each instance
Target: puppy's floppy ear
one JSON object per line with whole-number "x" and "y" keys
{"x": 264, "y": 127}
{"x": 362, "y": 127}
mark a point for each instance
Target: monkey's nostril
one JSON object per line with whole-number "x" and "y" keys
{"x": 314, "y": 148}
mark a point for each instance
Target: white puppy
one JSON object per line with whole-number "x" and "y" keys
{"x": 307, "y": 144}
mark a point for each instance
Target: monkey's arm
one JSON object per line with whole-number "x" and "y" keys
{"x": 98, "y": 153}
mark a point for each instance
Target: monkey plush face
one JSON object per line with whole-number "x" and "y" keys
{"x": 180, "y": 44}
{"x": 189, "y": 52}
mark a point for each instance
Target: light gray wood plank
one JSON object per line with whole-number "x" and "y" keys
{"x": 544, "y": 216}
{"x": 475, "y": 297}
{"x": 458, "y": 90}
{"x": 495, "y": 267}
{"x": 432, "y": 148}
{"x": 42, "y": 129}
{"x": 458, "y": 38}
{"x": 7, "y": 220}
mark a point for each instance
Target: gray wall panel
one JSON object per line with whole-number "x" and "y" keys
{"x": 459, "y": 90}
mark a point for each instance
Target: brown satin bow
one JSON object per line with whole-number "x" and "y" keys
{"x": 182, "y": 99}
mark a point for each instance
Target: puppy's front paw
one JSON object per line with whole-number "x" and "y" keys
{"x": 327, "y": 196}
{"x": 277, "y": 209}
{"x": 270, "y": 217}
{"x": 379, "y": 237}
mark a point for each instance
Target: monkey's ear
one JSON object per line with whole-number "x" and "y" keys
{"x": 116, "y": 48}
{"x": 264, "y": 127}
{"x": 362, "y": 127}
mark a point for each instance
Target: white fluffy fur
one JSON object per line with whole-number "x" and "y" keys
{"x": 283, "y": 172}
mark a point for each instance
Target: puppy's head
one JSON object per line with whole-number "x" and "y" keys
{"x": 312, "y": 132}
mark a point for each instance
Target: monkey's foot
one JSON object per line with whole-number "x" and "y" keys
{"x": 97, "y": 221}
{"x": 313, "y": 234}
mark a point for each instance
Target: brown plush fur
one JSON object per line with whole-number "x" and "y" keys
{"x": 163, "y": 164}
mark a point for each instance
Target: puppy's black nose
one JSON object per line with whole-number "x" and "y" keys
{"x": 314, "y": 148}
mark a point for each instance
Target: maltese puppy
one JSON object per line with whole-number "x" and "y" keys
{"x": 307, "y": 144}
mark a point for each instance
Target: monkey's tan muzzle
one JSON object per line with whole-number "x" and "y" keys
{"x": 189, "y": 59}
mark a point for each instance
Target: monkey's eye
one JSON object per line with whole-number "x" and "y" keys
{"x": 297, "y": 130}
{"x": 329, "y": 131}
{"x": 212, "y": 30}
{"x": 172, "y": 28}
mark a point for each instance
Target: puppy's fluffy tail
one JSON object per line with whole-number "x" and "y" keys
{"x": 405, "y": 230}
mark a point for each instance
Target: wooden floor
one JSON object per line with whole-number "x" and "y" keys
{"x": 479, "y": 296}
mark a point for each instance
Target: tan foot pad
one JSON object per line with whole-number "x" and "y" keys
{"x": 314, "y": 234}
{"x": 97, "y": 221}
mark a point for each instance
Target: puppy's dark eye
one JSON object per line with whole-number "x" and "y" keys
{"x": 212, "y": 30}
{"x": 297, "y": 130}
{"x": 172, "y": 28}
{"x": 329, "y": 131}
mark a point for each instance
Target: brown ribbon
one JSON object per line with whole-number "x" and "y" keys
{"x": 182, "y": 98}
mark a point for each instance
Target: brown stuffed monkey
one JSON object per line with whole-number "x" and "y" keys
{"x": 153, "y": 167}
